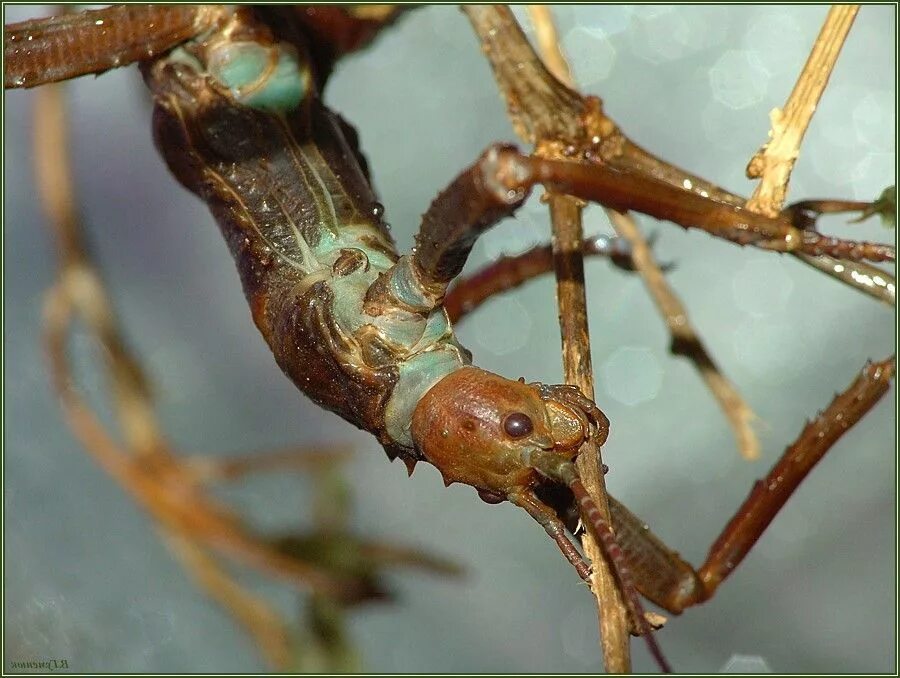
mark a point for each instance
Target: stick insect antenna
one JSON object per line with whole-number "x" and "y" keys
{"x": 613, "y": 552}
{"x": 552, "y": 467}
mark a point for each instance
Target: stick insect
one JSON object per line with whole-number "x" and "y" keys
{"x": 394, "y": 218}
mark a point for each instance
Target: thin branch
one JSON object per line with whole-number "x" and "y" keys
{"x": 259, "y": 619}
{"x": 774, "y": 161}
{"x": 568, "y": 263}
{"x": 685, "y": 340}
{"x": 548, "y": 44}
{"x": 542, "y": 108}
{"x": 565, "y": 214}
{"x": 208, "y": 468}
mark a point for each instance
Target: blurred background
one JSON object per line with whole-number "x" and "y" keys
{"x": 86, "y": 577}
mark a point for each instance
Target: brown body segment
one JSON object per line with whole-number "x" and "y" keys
{"x": 261, "y": 173}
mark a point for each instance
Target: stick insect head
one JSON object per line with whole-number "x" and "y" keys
{"x": 506, "y": 437}
{"x": 499, "y": 435}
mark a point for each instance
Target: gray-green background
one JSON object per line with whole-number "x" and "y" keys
{"x": 87, "y": 579}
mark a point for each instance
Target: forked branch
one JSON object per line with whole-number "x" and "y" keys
{"x": 773, "y": 163}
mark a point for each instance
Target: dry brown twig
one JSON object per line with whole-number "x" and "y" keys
{"x": 773, "y": 163}
{"x": 543, "y": 110}
{"x": 685, "y": 339}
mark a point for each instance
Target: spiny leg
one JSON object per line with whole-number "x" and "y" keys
{"x": 479, "y": 198}
{"x": 670, "y": 582}
{"x": 57, "y": 48}
{"x": 624, "y": 190}
{"x": 497, "y": 184}
{"x": 552, "y": 466}
{"x": 554, "y": 527}
{"x": 510, "y": 272}
{"x": 614, "y": 554}
{"x": 472, "y": 203}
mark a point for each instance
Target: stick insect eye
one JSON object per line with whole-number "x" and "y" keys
{"x": 517, "y": 425}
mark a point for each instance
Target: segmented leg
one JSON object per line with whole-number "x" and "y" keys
{"x": 555, "y": 467}
{"x": 497, "y": 184}
{"x": 816, "y": 244}
{"x": 670, "y": 582}
{"x": 554, "y": 527}
{"x": 869, "y": 279}
{"x": 614, "y": 554}
{"x": 61, "y": 47}
{"x": 510, "y": 272}
{"x": 626, "y": 190}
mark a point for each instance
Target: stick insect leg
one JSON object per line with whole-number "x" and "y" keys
{"x": 510, "y": 272}
{"x": 497, "y": 184}
{"x": 61, "y": 47}
{"x": 670, "y": 582}
{"x": 473, "y": 202}
{"x": 624, "y": 190}
{"x": 553, "y": 525}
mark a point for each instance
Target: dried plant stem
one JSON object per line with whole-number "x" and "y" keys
{"x": 184, "y": 519}
{"x": 543, "y": 109}
{"x": 548, "y": 44}
{"x": 565, "y": 216}
{"x": 264, "y": 625}
{"x": 207, "y": 468}
{"x": 568, "y": 264}
{"x": 774, "y": 161}
{"x": 685, "y": 340}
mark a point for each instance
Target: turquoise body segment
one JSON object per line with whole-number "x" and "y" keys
{"x": 270, "y": 78}
{"x": 417, "y": 376}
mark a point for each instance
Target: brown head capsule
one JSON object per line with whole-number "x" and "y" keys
{"x": 481, "y": 429}
{"x": 504, "y": 438}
